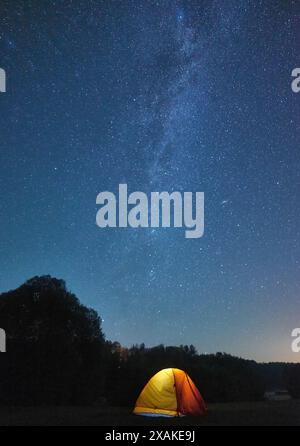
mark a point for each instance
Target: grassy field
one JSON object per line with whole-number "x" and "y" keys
{"x": 285, "y": 413}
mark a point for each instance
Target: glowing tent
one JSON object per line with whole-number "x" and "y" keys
{"x": 170, "y": 392}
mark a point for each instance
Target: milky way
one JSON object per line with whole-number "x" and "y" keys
{"x": 161, "y": 95}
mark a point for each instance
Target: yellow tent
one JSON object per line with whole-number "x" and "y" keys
{"x": 170, "y": 392}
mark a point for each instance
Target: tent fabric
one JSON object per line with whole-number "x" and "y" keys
{"x": 170, "y": 392}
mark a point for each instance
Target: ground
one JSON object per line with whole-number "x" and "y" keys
{"x": 286, "y": 413}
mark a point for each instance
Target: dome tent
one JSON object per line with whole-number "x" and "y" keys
{"x": 170, "y": 392}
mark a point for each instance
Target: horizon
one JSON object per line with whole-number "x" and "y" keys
{"x": 149, "y": 346}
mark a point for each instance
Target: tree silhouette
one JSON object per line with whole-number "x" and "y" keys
{"x": 56, "y": 354}
{"x": 54, "y": 346}
{"x": 292, "y": 378}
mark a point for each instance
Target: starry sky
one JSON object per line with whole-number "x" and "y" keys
{"x": 161, "y": 95}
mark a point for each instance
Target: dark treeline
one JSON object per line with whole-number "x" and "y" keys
{"x": 219, "y": 377}
{"x": 57, "y": 355}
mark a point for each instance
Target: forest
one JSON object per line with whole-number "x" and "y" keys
{"x": 57, "y": 354}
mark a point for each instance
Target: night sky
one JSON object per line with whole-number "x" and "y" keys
{"x": 164, "y": 96}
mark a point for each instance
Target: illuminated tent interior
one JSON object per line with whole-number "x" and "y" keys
{"x": 170, "y": 392}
